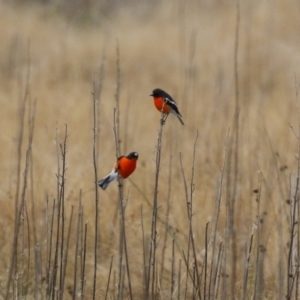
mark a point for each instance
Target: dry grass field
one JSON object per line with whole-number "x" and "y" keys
{"x": 241, "y": 123}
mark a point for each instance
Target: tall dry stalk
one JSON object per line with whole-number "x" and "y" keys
{"x": 293, "y": 265}
{"x": 236, "y": 129}
{"x": 31, "y": 124}
{"x": 65, "y": 254}
{"x": 144, "y": 256}
{"x": 248, "y": 249}
{"x": 14, "y": 259}
{"x": 96, "y": 96}
{"x": 56, "y": 281}
{"x": 214, "y": 266}
{"x": 233, "y": 175}
{"x": 109, "y": 276}
{"x": 95, "y": 155}
{"x": 123, "y": 241}
{"x": 61, "y": 224}
{"x": 259, "y": 279}
{"x": 78, "y": 233}
{"x": 191, "y": 242}
{"x": 122, "y": 238}
{"x": 167, "y": 229}
{"x": 173, "y": 270}
{"x": 83, "y": 264}
{"x": 151, "y": 276}
{"x": 49, "y": 226}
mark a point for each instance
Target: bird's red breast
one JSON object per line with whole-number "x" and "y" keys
{"x": 125, "y": 166}
{"x": 161, "y": 105}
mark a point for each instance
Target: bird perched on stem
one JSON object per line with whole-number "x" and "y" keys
{"x": 123, "y": 168}
{"x": 165, "y": 104}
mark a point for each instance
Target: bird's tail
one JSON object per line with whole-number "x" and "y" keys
{"x": 179, "y": 118}
{"x": 105, "y": 182}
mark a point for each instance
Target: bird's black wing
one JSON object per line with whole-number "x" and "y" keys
{"x": 169, "y": 100}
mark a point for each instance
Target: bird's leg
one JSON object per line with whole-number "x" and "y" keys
{"x": 120, "y": 182}
{"x": 164, "y": 119}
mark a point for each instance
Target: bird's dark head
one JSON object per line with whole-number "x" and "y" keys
{"x": 158, "y": 93}
{"x": 133, "y": 155}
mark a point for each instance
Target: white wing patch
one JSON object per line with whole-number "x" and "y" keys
{"x": 170, "y": 101}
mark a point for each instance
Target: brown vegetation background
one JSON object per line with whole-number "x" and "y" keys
{"x": 186, "y": 48}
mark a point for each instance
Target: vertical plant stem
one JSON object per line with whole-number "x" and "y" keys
{"x": 60, "y": 222}
{"x": 25, "y": 212}
{"x": 63, "y": 148}
{"x": 79, "y": 219}
{"x": 95, "y": 155}
{"x": 167, "y": 221}
{"x": 123, "y": 241}
{"x": 49, "y": 272}
{"x": 37, "y": 294}
{"x": 118, "y": 154}
{"x": 144, "y": 256}
{"x": 247, "y": 263}
{"x": 291, "y": 270}
{"x": 258, "y": 281}
{"x": 96, "y": 93}
{"x": 189, "y": 205}
{"x": 109, "y": 275}
{"x": 205, "y": 260}
{"x": 123, "y": 244}
{"x": 236, "y": 156}
{"x": 66, "y": 252}
{"x": 179, "y": 280}
{"x": 152, "y": 252}
{"x": 214, "y": 226}
{"x": 21, "y": 118}
{"x": 117, "y": 98}
{"x": 21, "y": 213}
{"x": 31, "y": 123}
{"x": 173, "y": 269}
{"x": 83, "y": 264}
{"x": 220, "y": 261}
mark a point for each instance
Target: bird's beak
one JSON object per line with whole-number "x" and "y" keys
{"x": 151, "y": 95}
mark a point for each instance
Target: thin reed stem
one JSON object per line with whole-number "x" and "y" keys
{"x": 144, "y": 255}
{"x": 82, "y": 291}
{"x": 179, "y": 280}
{"x": 258, "y": 281}
{"x": 61, "y": 227}
{"x": 218, "y": 271}
{"x": 247, "y": 264}
{"x": 79, "y": 220}
{"x": 173, "y": 269}
{"x": 167, "y": 221}
{"x": 95, "y": 155}
{"x": 152, "y": 251}
{"x": 21, "y": 118}
{"x": 189, "y": 205}
{"x": 109, "y": 275}
{"x": 66, "y": 251}
{"x": 49, "y": 272}
{"x": 123, "y": 241}
{"x": 59, "y": 244}
{"x": 292, "y": 266}
{"x": 205, "y": 260}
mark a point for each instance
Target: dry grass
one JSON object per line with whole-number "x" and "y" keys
{"x": 188, "y": 50}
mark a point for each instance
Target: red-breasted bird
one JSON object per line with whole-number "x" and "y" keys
{"x": 165, "y": 103}
{"x": 123, "y": 168}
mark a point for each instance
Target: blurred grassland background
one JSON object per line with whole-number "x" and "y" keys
{"x": 186, "y": 48}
